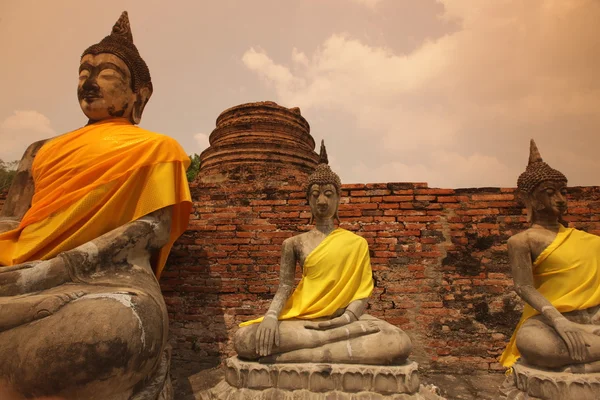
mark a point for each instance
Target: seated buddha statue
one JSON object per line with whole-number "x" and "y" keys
{"x": 84, "y": 235}
{"x": 556, "y": 271}
{"x": 323, "y": 319}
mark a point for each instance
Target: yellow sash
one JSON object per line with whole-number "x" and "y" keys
{"x": 567, "y": 273}
{"x": 335, "y": 273}
{"x": 93, "y": 180}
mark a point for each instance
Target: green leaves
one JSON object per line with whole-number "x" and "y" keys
{"x": 8, "y": 170}
{"x": 194, "y": 168}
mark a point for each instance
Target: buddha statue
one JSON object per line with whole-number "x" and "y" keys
{"x": 323, "y": 319}
{"x": 84, "y": 235}
{"x": 556, "y": 271}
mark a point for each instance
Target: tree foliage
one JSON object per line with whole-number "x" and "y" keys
{"x": 8, "y": 170}
{"x": 194, "y": 167}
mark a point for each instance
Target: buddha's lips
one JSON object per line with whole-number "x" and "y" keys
{"x": 88, "y": 94}
{"x": 91, "y": 97}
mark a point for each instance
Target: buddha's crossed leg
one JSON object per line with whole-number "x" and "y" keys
{"x": 367, "y": 341}
{"x": 71, "y": 347}
{"x": 540, "y": 345}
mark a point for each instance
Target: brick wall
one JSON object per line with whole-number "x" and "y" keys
{"x": 438, "y": 256}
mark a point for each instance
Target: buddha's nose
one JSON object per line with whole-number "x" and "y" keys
{"x": 90, "y": 84}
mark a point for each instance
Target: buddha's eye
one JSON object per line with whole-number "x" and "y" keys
{"x": 109, "y": 74}
{"x": 315, "y": 194}
{"x": 563, "y": 191}
{"x": 329, "y": 193}
{"x": 550, "y": 191}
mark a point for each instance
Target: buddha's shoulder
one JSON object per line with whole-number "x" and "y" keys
{"x": 152, "y": 135}
{"x": 352, "y": 239}
{"x": 580, "y": 233}
{"x": 298, "y": 239}
{"x": 159, "y": 140}
{"x": 521, "y": 239}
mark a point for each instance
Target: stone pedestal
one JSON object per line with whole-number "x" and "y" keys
{"x": 251, "y": 380}
{"x": 528, "y": 383}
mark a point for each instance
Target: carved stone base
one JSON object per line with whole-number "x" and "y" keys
{"x": 250, "y": 380}
{"x": 528, "y": 383}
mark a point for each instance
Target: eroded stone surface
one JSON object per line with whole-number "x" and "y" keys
{"x": 533, "y": 384}
{"x": 81, "y": 311}
{"x": 252, "y": 380}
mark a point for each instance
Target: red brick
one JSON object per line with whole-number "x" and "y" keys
{"x": 397, "y": 199}
{"x": 493, "y": 197}
{"x": 206, "y": 266}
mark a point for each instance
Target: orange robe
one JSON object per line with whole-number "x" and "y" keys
{"x": 93, "y": 180}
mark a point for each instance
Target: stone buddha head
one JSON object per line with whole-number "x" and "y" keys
{"x": 542, "y": 188}
{"x": 323, "y": 190}
{"x": 114, "y": 81}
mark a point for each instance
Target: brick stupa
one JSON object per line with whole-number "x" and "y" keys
{"x": 259, "y": 141}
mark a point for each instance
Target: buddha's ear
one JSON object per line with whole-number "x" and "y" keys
{"x": 141, "y": 98}
{"x": 529, "y": 210}
{"x": 528, "y": 201}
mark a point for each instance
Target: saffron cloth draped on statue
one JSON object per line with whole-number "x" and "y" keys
{"x": 93, "y": 180}
{"x": 335, "y": 273}
{"x": 567, "y": 273}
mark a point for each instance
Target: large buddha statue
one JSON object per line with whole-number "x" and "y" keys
{"x": 323, "y": 319}
{"x": 556, "y": 271}
{"x": 84, "y": 235}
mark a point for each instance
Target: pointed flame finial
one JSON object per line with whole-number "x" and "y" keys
{"x": 122, "y": 27}
{"x": 323, "y": 159}
{"x": 534, "y": 153}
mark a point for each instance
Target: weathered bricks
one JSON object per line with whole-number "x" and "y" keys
{"x": 438, "y": 257}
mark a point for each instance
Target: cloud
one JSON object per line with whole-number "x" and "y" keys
{"x": 20, "y": 130}
{"x": 442, "y": 166}
{"x": 512, "y": 70}
{"x": 201, "y": 141}
{"x": 280, "y": 76}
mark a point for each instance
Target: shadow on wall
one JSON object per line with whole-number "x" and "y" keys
{"x": 197, "y": 327}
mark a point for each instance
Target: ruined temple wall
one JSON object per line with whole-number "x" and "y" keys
{"x": 438, "y": 255}
{"x": 439, "y": 261}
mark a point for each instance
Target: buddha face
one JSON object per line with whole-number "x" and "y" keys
{"x": 324, "y": 201}
{"x": 104, "y": 89}
{"x": 550, "y": 197}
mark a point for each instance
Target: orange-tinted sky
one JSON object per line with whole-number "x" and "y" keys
{"x": 448, "y": 92}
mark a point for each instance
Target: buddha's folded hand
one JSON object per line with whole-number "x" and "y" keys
{"x": 574, "y": 338}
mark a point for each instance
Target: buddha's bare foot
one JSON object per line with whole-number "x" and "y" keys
{"x": 590, "y": 328}
{"x": 53, "y": 303}
{"x": 355, "y": 329}
{"x": 23, "y": 310}
{"x": 583, "y": 368}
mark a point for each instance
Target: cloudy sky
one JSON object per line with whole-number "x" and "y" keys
{"x": 447, "y": 92}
